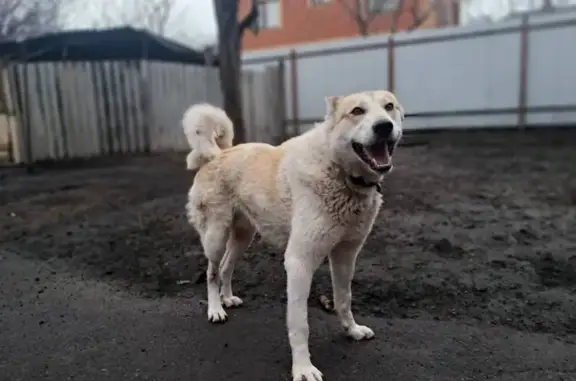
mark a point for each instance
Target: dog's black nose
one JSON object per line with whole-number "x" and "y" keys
{"x": 383, "y": 129}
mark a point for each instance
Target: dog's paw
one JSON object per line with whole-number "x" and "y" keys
{"x": 232, "y": 301}
{"x": 217, "y": 315}
{"x": 360, "y": 332}
{"x": 306, "y": 372}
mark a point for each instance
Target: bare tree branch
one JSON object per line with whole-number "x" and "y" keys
{"x": 370, "y": 16}
{"x": 360, "y": 12}
{"x": 147, "y": 14}
{"x": 250, "y": 18}
{"x": 396, "y": 17}
{"x": 354, "y": 9}
{"x": 22, "y": 19}
{"x": 157, "y": 14}
{"x": 420, "y": 16}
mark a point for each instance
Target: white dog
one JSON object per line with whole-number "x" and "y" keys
{"x": 315, "y": 194}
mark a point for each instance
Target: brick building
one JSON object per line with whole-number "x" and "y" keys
{"x": 290, "y": 22}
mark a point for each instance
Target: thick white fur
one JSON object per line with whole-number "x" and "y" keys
{"x": 208, "y": 130}
{"x": 297, "y": 195}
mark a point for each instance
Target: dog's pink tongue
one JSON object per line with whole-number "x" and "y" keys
{"x": 381, "y": 156}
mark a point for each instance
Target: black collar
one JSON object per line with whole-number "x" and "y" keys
{"x": 360, "y": 182}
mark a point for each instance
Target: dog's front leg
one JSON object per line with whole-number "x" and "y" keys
{"x": 342, "y": 264}
{"x": 303, "y": 256}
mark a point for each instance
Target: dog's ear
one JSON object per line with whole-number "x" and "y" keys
{"x": 332, "y": 104}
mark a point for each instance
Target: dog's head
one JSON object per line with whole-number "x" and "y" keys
{"x": 364, "y": 130}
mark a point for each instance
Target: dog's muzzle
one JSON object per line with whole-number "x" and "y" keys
{"x": 383, "y": 130}
{"x": 378, "y": 153}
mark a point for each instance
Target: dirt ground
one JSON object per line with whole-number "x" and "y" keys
{"x": 477, "y": 228}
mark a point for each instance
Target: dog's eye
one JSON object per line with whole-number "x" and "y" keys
{"x": 358, "y": 111}
{"x": 389, "y": 106}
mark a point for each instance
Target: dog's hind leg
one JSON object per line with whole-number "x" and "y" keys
{"x": 241, "y": 236}
{"x": 214, "y": 243}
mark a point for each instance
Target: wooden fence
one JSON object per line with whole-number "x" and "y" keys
{"x": 264, "y": 104}
{"x": 81, "y": 109}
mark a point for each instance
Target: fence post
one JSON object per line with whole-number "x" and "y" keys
{"x": 16, "y": 129}
{"x": 27, "y": 124}
{"x": 294, "y": 94}
{"x": 282, "y": 101}
{"x": 391, "y": 64}
{"x": 251, "y": 122}
{"x": 150, "y": 122}
{"x": 523, "y": 84}
{"x": 6, "y": 107}
{"x": 145, "y": 104}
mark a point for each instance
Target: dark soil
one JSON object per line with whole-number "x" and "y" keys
{"x": 477, "y": 227}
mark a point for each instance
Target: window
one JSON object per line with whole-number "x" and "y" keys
{"x": 269, "y": 14}
{"x": 382, "y": 6}
{"x": 315, "y": 3}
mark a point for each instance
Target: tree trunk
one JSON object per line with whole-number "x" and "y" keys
{"x": 230, "y": 32}
{"x": 230, "y": 84}
{"x": 362, "y": 28}
{"x": 229, "y": 61}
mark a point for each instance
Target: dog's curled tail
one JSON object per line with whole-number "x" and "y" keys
{"x": 208, "y": 130}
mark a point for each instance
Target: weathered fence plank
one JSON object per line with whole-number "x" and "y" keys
{"x": 83, "y": 109}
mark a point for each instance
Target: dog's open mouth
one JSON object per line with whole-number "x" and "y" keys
{"x": 378, "y": 155}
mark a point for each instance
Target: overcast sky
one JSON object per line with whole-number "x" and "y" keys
{"x": 496, "y": 9}
{"x": 192, "y": 21}
{"x": 200, "y": 16}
